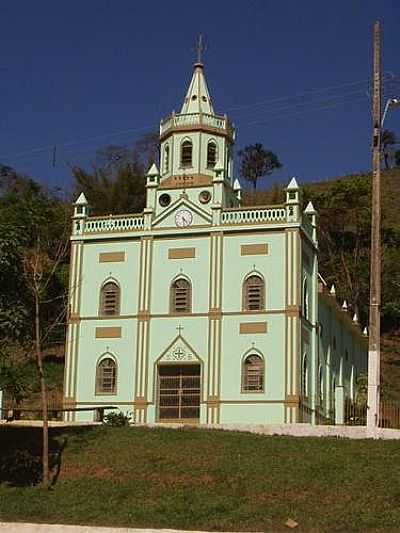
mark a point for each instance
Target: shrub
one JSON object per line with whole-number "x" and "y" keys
{"x": 117, "y": 419}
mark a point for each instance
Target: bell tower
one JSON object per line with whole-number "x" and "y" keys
{"x": 197, "y": 143}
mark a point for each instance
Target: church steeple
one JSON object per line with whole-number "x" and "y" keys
{"x": 197, "y": 98}
{"x": 197, "y": 143}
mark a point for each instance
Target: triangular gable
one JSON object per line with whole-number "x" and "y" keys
{"x": 167, "y": 217}
{"x": 179, "y": 351}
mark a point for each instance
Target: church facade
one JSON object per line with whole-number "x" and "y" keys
{"x": 198, "y": 309}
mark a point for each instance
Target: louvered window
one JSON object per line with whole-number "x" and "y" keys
{"x": 181, "y": 296}
{"x": 106, "y": 377}
{"x": 253, "y": 299}
{"x": 186, "y": 154}
{"x": 253, "y": 374}
{"x": 166, "y": 159}
{"x": 211, "y": 154}
{"x": 110, "y": 296}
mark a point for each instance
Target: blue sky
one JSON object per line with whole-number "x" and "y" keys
{"x": 292, "y": 75}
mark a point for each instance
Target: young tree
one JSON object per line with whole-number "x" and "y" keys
{"x": 256, "y": 162}
{"x": 41, "y": 263}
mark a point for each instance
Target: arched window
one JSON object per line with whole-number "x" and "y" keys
{"x": 305, "y": 299}
{"x": 166, "y": 159}
{"x": 110, "y": 299}
{"x": 211, "y": 154}
{"x": 186, "y": 154}
{"x": 253, "y": 294}
{"x": 253, "y": 374}
{"x": 106, "y": 377}
{"x": 181, "y": 296}
{"x": 304, "y": 377}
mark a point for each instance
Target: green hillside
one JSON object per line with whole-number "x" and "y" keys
{"x": 206, "y": 480}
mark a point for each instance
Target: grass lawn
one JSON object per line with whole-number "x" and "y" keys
{"x": 199, "y": 479}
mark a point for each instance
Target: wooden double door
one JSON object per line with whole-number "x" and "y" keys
{"x": 178, "y": 393}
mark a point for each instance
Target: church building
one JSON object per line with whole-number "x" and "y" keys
{"x": 199, "y": 310}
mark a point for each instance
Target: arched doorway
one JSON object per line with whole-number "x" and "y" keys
{"x": 178, "y": 392}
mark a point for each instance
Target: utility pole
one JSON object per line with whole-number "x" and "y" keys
{"x": 374, "y": 347}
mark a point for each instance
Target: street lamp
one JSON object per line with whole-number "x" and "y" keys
{"x": 390, "y": 103}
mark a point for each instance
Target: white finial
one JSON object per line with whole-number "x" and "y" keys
{"x": 309, "y": 210}
{"x": 153, "y": 170}
{"x": 333, "y": 290}
{"x": 344, "y": 306}
{"x": 293, "y": 185}
{"x": 355, "y": 318}
{"x": 365, "y": 332}
{"x": 236, "y": 185}
{"x": 81, "y": 200}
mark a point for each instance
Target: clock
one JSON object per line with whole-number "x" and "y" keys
{"x": 183, "y": 218}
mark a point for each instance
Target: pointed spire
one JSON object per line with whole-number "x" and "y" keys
{"x": 81, "y": 200}
{"x": 293, "y": 185}
{"x": 355, "y": 318}
{"x": 333, "y": 290}
{"x": 236, "y": 185}
{"x": 344, "y": 306}
{"x": 197, "y": 99}
{"x": 309, "y": 210}
{"x": 153, "y": 170}
{"x": 365, "y": 332}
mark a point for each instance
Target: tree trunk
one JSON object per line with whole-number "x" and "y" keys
{"x": 43, "y": 391}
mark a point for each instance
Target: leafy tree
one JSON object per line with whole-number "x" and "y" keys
{"x": 257, "y": 162}
{"x": 388, "y": 141}
{"x": 122, "y": 193}
{"x": 33, "y": 260}
{"x": 344, "y": 237}
{"x": 397, "y": 158}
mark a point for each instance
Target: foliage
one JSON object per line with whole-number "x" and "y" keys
{"x": 27, "y": 211}
{"x": 116, "y": 184}
{"x": 344, "y": 236}
{"x": 117, "y": 419}
{"x": 256, "y": 162}
{"x": 388, "y": 141}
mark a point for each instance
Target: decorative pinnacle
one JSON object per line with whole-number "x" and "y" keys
{"x": 365, "y": 332}
{"x": 355, "y": 318}
{"x": 344, "y": 306}
{"x": 333, "y": 290}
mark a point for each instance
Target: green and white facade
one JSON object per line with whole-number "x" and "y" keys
{"x": 194, "y": 229}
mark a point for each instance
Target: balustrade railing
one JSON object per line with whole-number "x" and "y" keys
{"x": 251, "y": 216}
{"x": 194, "y": 119}
{"x": 114, "y": 223}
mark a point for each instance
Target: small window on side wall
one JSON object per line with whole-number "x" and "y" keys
{"x": 253, "y": 374}
{"x": 110, "y": 299}
{"x": 186, "y": 154}
{"x": 106, "y": 377}
{"x": 253, "y": 294}
{"x": 305, "y": 300}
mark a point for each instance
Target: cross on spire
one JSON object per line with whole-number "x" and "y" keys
{"x": 200, "y": 48}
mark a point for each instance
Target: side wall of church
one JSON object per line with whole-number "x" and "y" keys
{"x": 343, "y": 353}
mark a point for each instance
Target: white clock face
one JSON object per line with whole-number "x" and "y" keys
{"x": 183, "y": 218}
